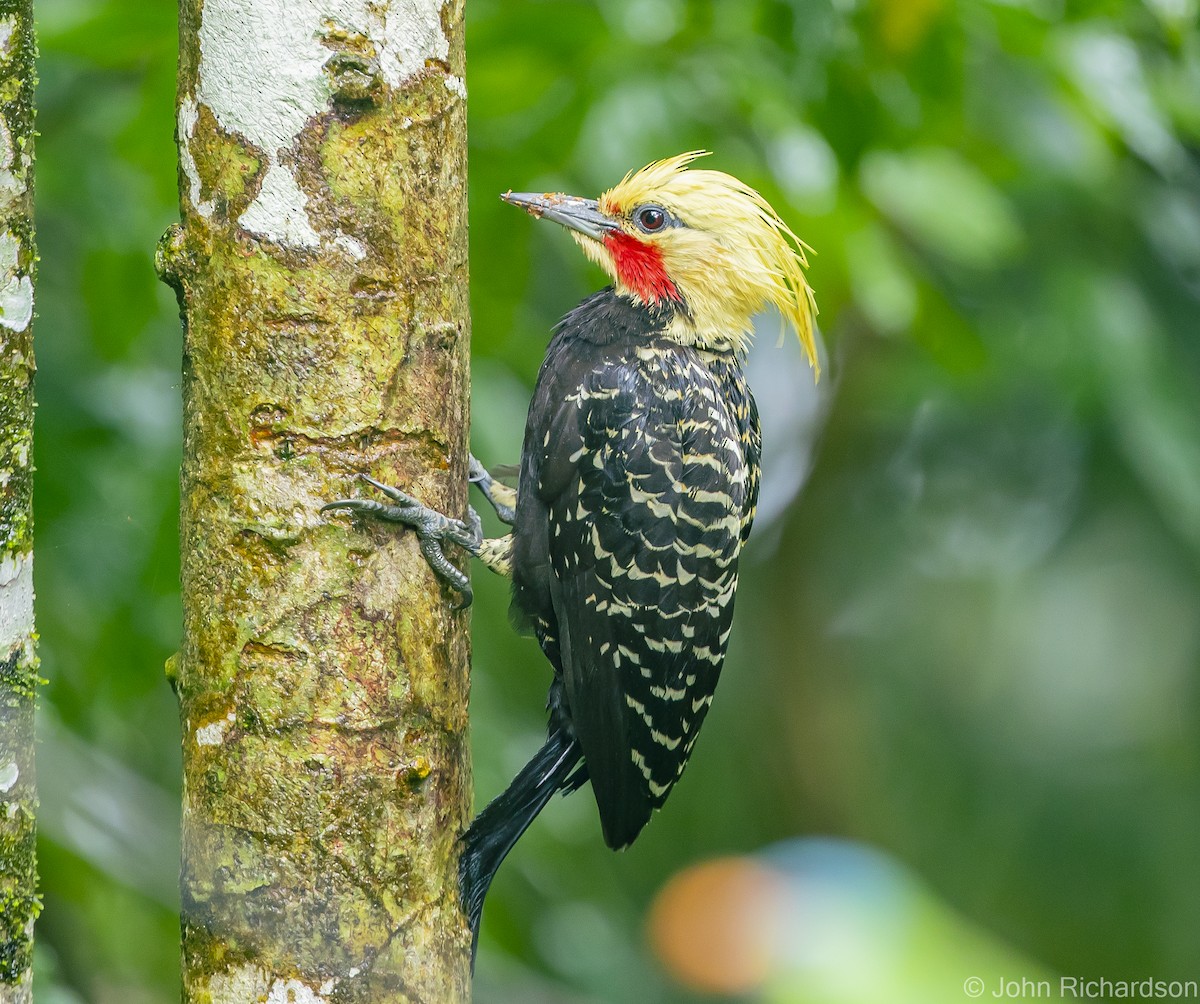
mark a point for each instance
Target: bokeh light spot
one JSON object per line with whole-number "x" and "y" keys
{"x": 713, "y": 925}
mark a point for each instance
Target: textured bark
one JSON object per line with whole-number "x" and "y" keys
{"x": 322, "y": 273}
{"x": 19, "y": 903}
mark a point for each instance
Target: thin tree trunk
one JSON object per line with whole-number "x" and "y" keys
{"x": 19, "y": 904}
{"x": 322, "y": 274}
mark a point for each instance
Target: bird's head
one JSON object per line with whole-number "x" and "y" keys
{"x": 700, "y": 243}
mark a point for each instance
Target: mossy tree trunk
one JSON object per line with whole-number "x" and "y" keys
{"x": 19, "y": 903}
{"x": 322, "y": 273}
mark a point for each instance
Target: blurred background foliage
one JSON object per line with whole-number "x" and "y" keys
{"x": 959, "y": 730}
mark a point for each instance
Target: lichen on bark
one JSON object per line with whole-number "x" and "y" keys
{"x": 19, "y": 903}
{"x": 322, "y": 275}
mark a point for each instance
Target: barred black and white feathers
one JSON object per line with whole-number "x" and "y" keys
{"x": 638, "y": 484}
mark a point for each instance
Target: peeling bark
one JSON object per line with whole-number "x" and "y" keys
{"x": 321, "y": 268}
{"x": 19, "y": 904}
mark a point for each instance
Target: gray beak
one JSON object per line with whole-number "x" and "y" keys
{"x": 582, "y": 215}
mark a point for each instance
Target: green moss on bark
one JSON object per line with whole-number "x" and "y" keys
{"x": 323, "y": 675}
{"x": 19, "y": 903}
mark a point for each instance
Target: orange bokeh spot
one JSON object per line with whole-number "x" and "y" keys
{"x": 714, "y": 926}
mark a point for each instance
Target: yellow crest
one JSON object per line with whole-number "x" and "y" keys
{"x": 748, "y": 257}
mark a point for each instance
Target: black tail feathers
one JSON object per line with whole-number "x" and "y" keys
{"x": 555, "y": 767}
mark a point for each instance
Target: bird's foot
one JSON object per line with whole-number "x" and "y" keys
{"x": 477, "y": 473}
{"x": 433, "y": 530}
{"x": 502, "y": 498}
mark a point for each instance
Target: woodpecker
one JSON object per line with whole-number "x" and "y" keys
{"x": 638, "y": 483}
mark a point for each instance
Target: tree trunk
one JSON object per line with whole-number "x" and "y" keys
{"x": 322, "y": 274}
{"x": 19, "y": 903}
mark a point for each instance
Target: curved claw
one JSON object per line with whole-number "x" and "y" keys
{"x": 476, "y": 472}
{"x": 432, "y": 528}
{"x": 502, "y": 498}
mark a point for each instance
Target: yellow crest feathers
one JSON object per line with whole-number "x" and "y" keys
{"x": 640, "y": 184}
{"x": 757, "y": 244}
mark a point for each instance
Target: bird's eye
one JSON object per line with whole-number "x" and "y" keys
{"x": 651, "y": 218}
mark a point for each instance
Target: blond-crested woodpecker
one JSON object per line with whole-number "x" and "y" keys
{"x": 638, "y": 482}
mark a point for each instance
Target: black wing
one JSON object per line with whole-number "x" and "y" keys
{"x": 644, "y": 482}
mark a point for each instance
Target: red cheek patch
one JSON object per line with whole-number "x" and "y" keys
{"x": 640, "y": 267}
